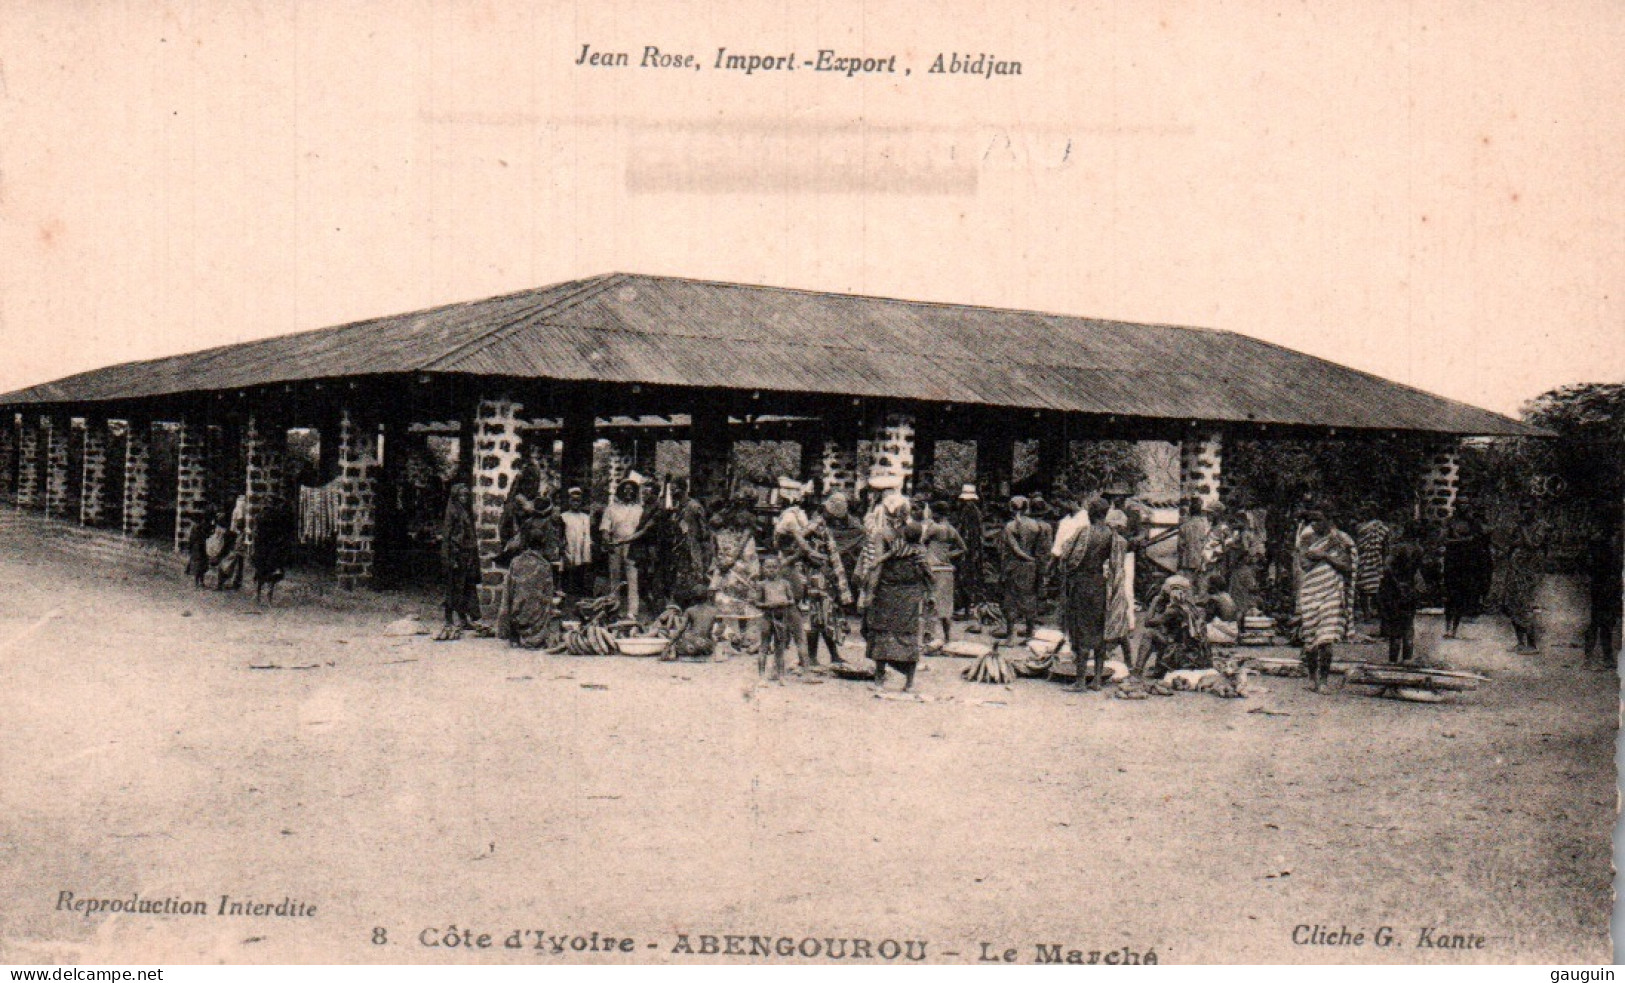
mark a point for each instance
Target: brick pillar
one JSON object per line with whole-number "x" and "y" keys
{"x": 265, "y": 443}
{"x": 891, "y": 447}
{"x": 358, "y": 472}
{"x": 191, "y": 481}
{"x": 8, "y": 456}
{"x": 93, "y": 485}
{"x": 496, "y": 461}
{"x": 710, "y": 447}
{"x": 29, "y": 492}
{"x": 57, "y": 435}
{"x": 995, "y": 461}
{"x": 137, "y": 459}
{"x": 1440, "y": 475}
{"x": 1201, "y": 468}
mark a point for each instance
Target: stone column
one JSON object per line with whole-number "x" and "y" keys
{"x": 1441, "y": 472}
{"x": 892, "y": 447}
{"x": 995, "y": 460}
{"x": 57, "y": 434}
{"x": 496, "y": 462}
{"x": 358, "y": 470}
{"x": 93, "y": 487}
{"x": 191, "y": 481}
{"x": 710, "y": 447}
{"x": 137, "y": 460}
{"x": 29, "y": 493}
{"x": 265, "y": 445}
{"x": 1201, "y": 468}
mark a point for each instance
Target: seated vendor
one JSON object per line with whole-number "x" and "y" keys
{"x": 1175, "y": 634}
{"x": 696, "y": 640}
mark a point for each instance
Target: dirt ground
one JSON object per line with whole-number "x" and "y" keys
{"x": 408, "y": 785}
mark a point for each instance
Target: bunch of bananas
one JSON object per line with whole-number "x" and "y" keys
{"x": 991, "y": 668}
{"x": 590, "y": 640}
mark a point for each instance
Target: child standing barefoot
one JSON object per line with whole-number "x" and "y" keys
{"x": 775, "y": 596}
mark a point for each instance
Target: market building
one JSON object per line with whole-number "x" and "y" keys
{"x": 640, "y": 359}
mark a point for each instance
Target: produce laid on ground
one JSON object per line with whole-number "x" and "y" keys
{"x": 991, "y": 668}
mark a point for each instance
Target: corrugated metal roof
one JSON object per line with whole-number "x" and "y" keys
{"x": 670, "y": 331}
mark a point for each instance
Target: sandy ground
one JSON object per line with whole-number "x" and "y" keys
{"x": 412, "y": 786}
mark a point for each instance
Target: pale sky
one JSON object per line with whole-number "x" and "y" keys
{"x": 1434, "y": 192}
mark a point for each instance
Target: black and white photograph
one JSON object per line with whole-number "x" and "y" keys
{"x": 488, "y": 483}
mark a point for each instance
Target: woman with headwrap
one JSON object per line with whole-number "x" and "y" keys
{"x": 883, "y": 528}
{"x": 1326, "y": 566}
{"x": 891, "y": 623}
{"x": 847, "y": 537}
{"x": 460, "y": 564}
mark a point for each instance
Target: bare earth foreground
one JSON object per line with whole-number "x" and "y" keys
{"x": 404, "y": 785}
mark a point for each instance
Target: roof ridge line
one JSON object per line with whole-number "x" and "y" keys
{"x": 583, "y": 289}
{"x": 953, "y": 305}
{"x": 816, "y": 346}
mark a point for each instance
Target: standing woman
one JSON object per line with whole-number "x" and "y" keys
{"x": 1398, "y": 595}
{"x": 1325, "y": 566}
{"x": 1375, "y": 537}
{"x": 1525, "y": 564}
{"x": 943, "y": 546}
{"x": 1462, "y": 575}
{"x": 1120, "y": 617}
{"x": 1092, "y": 568}
{"x": 695, "y": 545}
{"x": 273, "y": 545}
{"x": 460, "y": 564}
{"x": 891, "y": 623}
{"x": 971, "y": 572}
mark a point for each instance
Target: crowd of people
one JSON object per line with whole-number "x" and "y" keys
{"x": 905, "y": 568}
{"x": 795, "y": 570}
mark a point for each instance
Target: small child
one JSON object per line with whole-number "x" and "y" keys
{"x": 776, "y": 597}
{"x": 197, "y": 562}
{"x": 823, "y": 616}
{"x": 696, "y": 639}
{"x": 1397, "y": 598}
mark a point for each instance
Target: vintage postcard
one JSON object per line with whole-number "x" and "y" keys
{"x": 540, "y": 483}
